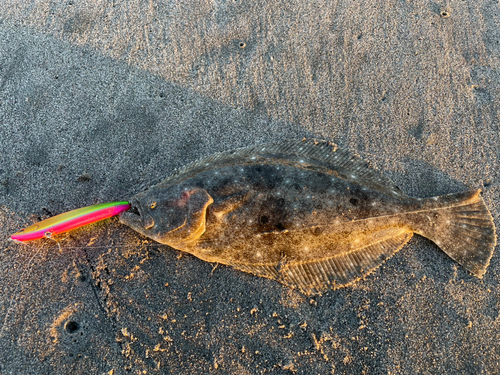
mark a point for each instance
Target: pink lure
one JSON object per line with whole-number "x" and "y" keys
{"x": 70, "y": 220}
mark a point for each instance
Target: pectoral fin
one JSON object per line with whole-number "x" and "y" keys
{"x": 229, "y": 203}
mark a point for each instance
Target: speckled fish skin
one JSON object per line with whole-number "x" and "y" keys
{"x": 305, "y": 213}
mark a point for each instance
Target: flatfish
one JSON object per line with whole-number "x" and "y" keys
{"x": 305, "y": 213}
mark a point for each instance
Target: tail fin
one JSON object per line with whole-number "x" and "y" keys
{"x": 461, "y": 225}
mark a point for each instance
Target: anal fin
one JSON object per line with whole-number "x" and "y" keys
{"x": 268, "y": 271}
{"x": 342, "y": 269}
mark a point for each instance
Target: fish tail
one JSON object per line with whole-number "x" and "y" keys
{"x": 462, "y": 226}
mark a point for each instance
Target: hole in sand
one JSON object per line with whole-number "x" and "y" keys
{"x": 71, "y": 326}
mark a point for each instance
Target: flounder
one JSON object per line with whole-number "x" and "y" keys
{"x": 305, "y": 213}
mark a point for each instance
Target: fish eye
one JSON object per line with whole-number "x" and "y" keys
{"x": 152, "y": 205}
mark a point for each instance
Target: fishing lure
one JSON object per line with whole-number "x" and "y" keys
{"x": 70, "y": 220}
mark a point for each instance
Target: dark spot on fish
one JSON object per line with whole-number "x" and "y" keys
{"x": 258, "y": 168}
{"x": 359, "y": 195}
{"x": 270, "y": 185}
{"x": 353, "y": 201}
{"x": 264, "y": 219}
{"x": 71, "y": 326}
{"x": 280, "y": 202}
{"x": 317, "y": 231}
{"x": 297, "y": 187}
{"x": 280, "y": 226}
{"x": 224, "y": 186}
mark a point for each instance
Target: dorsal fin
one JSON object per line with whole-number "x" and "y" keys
{"x": 321, "y": 156}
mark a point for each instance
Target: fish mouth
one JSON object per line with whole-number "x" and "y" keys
{"x": 133, "y": 216}
{"x": 134, "y": 208}
{"x": 136, "y": 218}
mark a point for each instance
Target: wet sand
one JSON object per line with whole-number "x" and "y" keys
{"x": 99, "y": 100}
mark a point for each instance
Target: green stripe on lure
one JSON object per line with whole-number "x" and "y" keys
{"x": 70, "y": 220}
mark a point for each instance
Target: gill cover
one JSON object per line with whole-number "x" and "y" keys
{"x": 197, "y": 201}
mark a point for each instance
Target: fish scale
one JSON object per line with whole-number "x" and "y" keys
{"x": 308, "y": 214}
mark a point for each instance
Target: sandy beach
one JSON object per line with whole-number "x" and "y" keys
{"x": 101, "y": 99}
